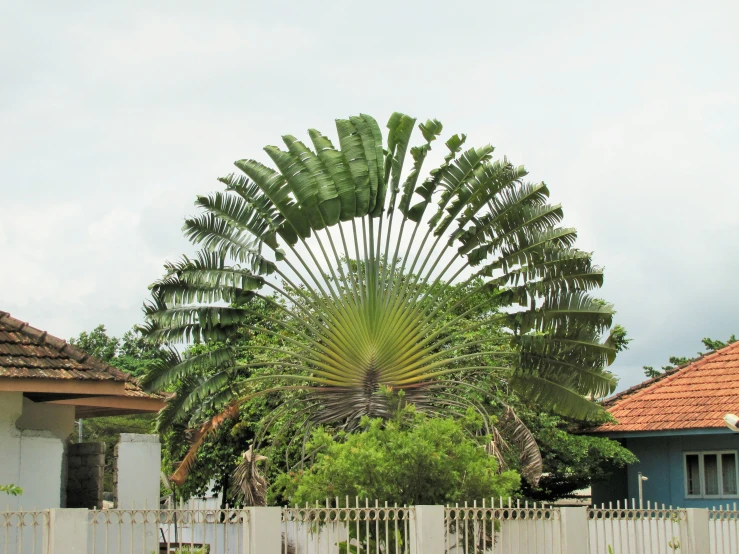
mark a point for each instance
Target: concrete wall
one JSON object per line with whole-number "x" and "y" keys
{"x": 11, "y": 407}
{"x": 54, "y": 419}
{"x": 661, "y": 460}
{"x": 138, "y": 466}
{"x": 32, "y": 442}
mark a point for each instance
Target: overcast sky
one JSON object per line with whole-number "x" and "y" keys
{"x": 113, "y": 116}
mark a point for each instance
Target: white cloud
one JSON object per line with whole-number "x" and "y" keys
{"x": 116, "y": 222}
{"x": 115, "y": 116}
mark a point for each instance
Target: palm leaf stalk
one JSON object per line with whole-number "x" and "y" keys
{"x": 360, "y": 265}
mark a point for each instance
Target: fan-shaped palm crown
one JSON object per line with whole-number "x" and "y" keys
{"x": 365, "y": 262}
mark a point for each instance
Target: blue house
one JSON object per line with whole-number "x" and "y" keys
{"x": 674, "y": 425}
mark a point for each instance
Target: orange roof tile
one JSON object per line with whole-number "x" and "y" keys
{"x": 694, "y": 396}
{"x": 27, "y": 352}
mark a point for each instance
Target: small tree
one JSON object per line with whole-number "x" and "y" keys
{"x": 571, "y": 461}
{"x": 410, "y": 459}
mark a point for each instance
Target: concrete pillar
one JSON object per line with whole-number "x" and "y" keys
{"x": 430, "y": 529}
{"x": 574, "y": 522}
{"x": 68, "y": 531}
{"x": 698, "y": 530}
{"x": 138, "y": 464}
{"x": 264, "y": 531}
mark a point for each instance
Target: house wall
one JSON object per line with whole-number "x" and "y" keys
{"x": 11, "y": 406}
{"x": 661, "y": 461}
{"x": 56, "y": 419}
{"x": 32, "y": 442}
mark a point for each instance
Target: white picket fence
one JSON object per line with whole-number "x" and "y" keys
{"x": 490, "y": 527}
{"x": 344, "y": 526}
{"x": 167, "y": 531}
{"x": 634, "y": 531}
{"x": 502, "y": 528}
{"x": 24, "y": 532}
{"x": 724, "y": 530}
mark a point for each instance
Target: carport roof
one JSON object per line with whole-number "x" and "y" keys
{"x": 49, "y": 369}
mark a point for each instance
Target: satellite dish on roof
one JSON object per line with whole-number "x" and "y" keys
{"x": 732, "y": 422}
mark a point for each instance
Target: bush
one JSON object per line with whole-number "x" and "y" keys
{"x": 411, "y": 459}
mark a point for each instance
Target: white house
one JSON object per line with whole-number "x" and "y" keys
{"x": 45, "y": 384}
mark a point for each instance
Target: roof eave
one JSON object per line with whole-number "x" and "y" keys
{"x": 107, "y": 387}
{"x": 102, "y": 406}
{"x": 616, "y": 434}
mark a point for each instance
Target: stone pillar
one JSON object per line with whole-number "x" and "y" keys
{"x": 427, "y": 536}
{"x": 85, "y": 467}
{"x": 138, "y": 464}
{"x": 264, "y": 531}
{"x": 68, "y": 531}
{"x": 574, "y": 522}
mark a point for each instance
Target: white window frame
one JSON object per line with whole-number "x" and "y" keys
{"x": 701, "y": 473}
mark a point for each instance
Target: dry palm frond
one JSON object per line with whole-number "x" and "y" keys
{"x": 249, "y": 485}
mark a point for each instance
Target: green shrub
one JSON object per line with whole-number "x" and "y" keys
{"x": 411, "y": 459}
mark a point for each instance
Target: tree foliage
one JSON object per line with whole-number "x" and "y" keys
{"x": 675, "y": 361}
{"x": 571, "y": 460}
{"x": 131, "y": 353}
{"x": 412, "y": 458}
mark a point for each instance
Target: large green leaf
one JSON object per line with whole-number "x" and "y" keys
{"x": 360, "y": 309}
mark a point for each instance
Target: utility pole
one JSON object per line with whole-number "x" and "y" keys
{"x": 641, "y": 489}
{"x": 79, "y": 430}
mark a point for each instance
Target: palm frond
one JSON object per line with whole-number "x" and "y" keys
{"x": 529, "y": 453}
{"x": 249, "y": 484}
{"x": 366, "y": 306}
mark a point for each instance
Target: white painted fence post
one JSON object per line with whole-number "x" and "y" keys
{"x": 699, "y": 536}
{"x": 68, "y": 531}
{"x": 264, "y": 531}
{"x": 574, "y": 522}
{"x": 429, "y": 528}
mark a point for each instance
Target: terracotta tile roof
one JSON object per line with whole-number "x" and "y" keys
{"x": 696, "y": 395}
{"x": 134, "y": 391}
{"x": 29, "y": 356}
{"x": 27, "y": 352}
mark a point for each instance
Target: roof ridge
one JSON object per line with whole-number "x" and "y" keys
{"x": 637, "y": 405}
{"x": 64, "y": 347}
{"x": 633, "y": 392}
